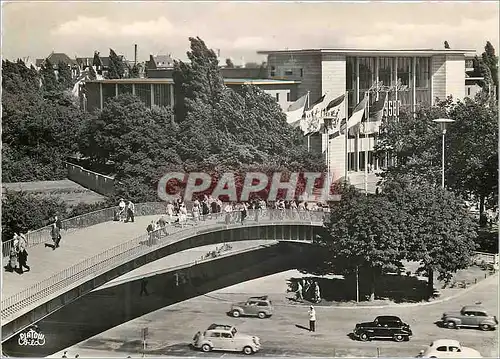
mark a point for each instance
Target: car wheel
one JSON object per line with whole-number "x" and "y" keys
{"x": 485, "y": 327}
{"x": 247, "y": 350}
{"x": 399, "y": 338}
{"x": 206, "y": 348}
{"x": 236, "y": 313}
{"x": 451, "y": 325}
{"x": 262, "y": 315}
{"x": 364, "y": 337}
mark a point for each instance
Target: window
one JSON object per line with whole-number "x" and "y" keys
{"x": 161, "y": 95}
{"x": 454, "y": 349}
{"x": 144, "y": 93}
{"x": 404, "y": 70}
{"x": 124, "y": 88}
{"x": 421, "y": 72}
{"x": 288, "y": 96}
{"x": 468, "y": 91}
{"x": 262, "y": 304}
{"x": 215, "y": 335}
{"x": 301, "y": 72}
{"x": 252, "y": 303}
{"x": 288, "y": 72}
{"x": 226, "y": 335}
{"x": 277, "y": 97}
{"x": 366, "y": 73}
{"x": 385, "y": 70}
{"x": 351, "y": 81}
{"x": 442, "y": 349}
{"x": 273, "y": 71}
{"x": 108, "y": 91}
{"x": 481, "y": 314}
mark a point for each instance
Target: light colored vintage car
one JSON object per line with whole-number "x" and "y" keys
{"x": 448, "y": 348}
{"x": 471, "y": 316}
{"x": 226, "y": 338}
{"x": 260, "y": 307}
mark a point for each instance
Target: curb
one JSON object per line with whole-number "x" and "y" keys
{"x": 409, "y": 305}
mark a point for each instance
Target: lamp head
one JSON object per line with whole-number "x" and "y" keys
{"x": 443, "y": 122}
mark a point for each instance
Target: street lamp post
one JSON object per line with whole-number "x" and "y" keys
{"x": 328, "y": 124}
{"x": 443, "y": 122}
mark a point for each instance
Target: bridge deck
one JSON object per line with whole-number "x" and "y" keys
{"x": 74, "y": 248}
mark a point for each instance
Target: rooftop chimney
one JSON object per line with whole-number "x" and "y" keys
{"x": 135, "y": 54}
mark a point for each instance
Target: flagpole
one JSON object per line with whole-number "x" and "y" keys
{"x": 346, "y": 110}
{"x": 308, "y": 135}
{"x": 366, "y": 142}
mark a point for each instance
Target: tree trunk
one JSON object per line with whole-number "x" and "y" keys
{"x": 372, "y": 285}
{"x": 430, "y": 281}
{"x": 482, "y": 221}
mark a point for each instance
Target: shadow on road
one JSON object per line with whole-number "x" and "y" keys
{"x": 301, "y": 327}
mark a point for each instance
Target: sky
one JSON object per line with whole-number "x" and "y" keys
{"x": 240, "y": 29}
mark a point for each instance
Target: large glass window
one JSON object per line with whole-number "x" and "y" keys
{"x": 405, "y": 77}
{"x": 422, "y": 81}
{"x": 143, "y": 91}
{"x": 351, "y": 81}
{"x": 385, "y": 70}
{"x": 161, "y": 95}
{"x": 108, "y": 91}
{"x": 366, "y": 73}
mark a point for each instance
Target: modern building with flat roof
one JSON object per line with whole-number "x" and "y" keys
{"x": 422, "y": 74}
{"x": 160, "y": 91}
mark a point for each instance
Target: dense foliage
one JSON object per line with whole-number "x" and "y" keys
{"x": 471, "y": 157}
{"x": 40, "y": 124}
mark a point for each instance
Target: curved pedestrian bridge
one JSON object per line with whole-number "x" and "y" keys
{"x": 92, "y": 256}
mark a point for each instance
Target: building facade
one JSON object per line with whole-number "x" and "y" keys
{"x": 417, "y": 77}
{"x": 160, "y": 91}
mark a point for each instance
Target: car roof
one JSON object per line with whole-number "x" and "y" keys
{"x": 473, "y": 308}
{"x": 220, "y": 326}
{"x": 389, "y": 317}
{"x": 262, "y": 297}
{"x": 446, "y": 342}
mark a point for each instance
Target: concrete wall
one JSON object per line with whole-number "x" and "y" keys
{"x": 455, "y": 76}
{"x": 333, "y": 74}
{"x": 96, "y": 182}
{"x": 201, "y": 238}
{"x": 310, "y": 63}
{"x": 438, "y": 77}
{"x": 101, "y": 310}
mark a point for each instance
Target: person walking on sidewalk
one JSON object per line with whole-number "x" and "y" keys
{"x": 56, "y": 235}
{"x": 130, "y": 212}
{"x": 312, "y": 319}
{"x": 22, "y": 253}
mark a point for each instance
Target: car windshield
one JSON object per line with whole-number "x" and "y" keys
{"x": 233, "y": 331}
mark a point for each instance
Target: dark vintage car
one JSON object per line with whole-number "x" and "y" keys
{"x": 260, "y": 307}
{"x": 383, "y": 327}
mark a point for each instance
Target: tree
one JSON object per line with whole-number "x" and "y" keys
{"x": 92, "y": 73}
{"x": 116, "y": 66}
{"x": 229, "y": 63}
{"x": 134, "y": 71}
{"x": 439, "y": 231}
{"x": 22, "y": 211}
{"x": 97, "y": 62}
{"x": 446, "y": 45}
{"x": 39, "y": 127}
{"x": 49, "y": 79}
{"x": 471, "y": 169}
{"x": 365, "y": 233}
{"x": 65, "y": 77}
{"x": 491, "y": 61}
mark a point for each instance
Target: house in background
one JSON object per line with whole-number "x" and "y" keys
{"x": 55, "y": 58}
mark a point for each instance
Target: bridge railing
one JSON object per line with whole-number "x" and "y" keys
{"x": 69, "y": 225}
{"x": 123, "y": 253}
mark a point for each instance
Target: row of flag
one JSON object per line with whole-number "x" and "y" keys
{"x": 310, "y": 119}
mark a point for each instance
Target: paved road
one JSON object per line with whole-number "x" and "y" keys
{"x": 171, "y": 328}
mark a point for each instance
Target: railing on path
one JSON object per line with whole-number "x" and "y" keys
{"x": 70, "y": 225}
{"x": 132, "y": 249}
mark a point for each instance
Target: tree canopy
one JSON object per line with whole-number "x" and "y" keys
{"x": 39, "y": 122}
{"x": 116, "y": 68}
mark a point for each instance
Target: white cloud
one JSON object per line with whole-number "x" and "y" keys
{"x": 104, "y": 28}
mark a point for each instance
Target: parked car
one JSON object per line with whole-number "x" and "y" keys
{"x": 448, "y": 348}
{"x": 260, "y": 307}
{"x": 226, "y": 338}
{"x": 385, "y": 326}
{"x": 471, "y": 316}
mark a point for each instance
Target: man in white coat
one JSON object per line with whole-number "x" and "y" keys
{"x": 312, "y": 319}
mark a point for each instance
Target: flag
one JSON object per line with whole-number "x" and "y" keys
{"x": 336, "y": 111}
{"x": 295, "y": 111}
{"x": 357, "y": 115}
{"x": 312, "y": 115}
{"x": 372, "y": 124}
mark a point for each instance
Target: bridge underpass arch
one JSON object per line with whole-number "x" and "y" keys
{"x": 106, "y": 308}
{"x": 142, "y": 252}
